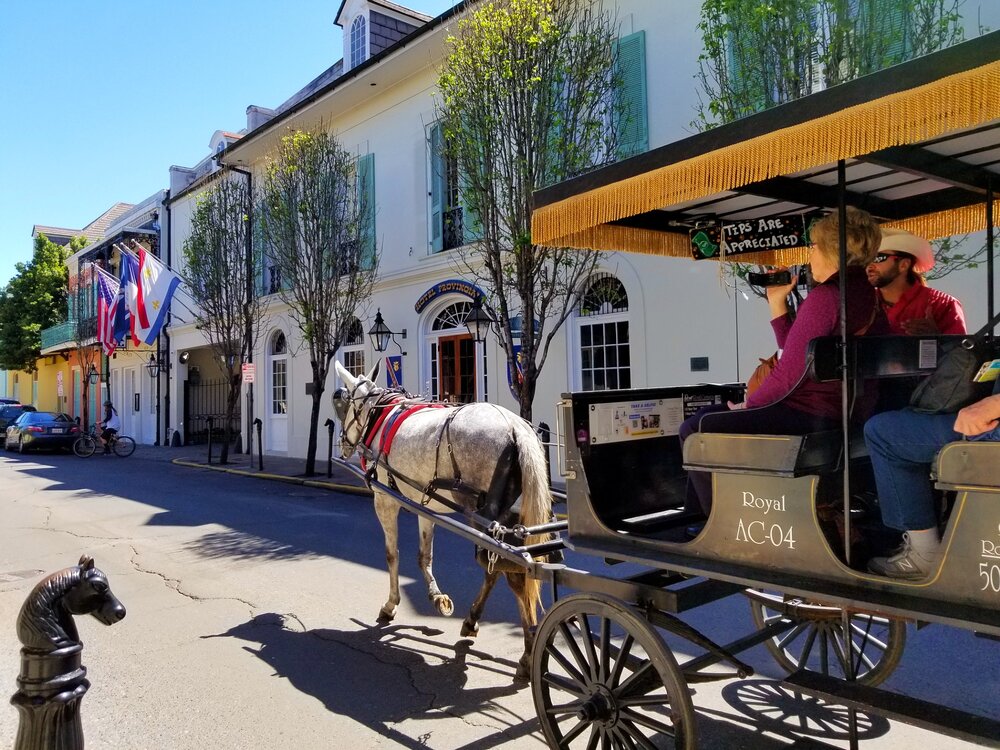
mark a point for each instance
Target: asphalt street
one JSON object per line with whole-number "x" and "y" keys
{"x": 251, "y": 624}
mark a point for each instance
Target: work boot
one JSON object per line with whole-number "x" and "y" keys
{"x": 909, "y": 563}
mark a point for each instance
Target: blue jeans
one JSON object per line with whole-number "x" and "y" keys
{"x": 902, "y": 445}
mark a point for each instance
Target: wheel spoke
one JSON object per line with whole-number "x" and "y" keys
{"x": 604, "y": 665}
{"x": 572, "y": 734}
{"x": 630, "y": 716}
{"x": 640, "y": 682}
{"x": 645, "y": 700}
{"x": 574, "y": 673}
{"x": 564, "y": 709}
{"x": 562, "y": 683}
{"x": 807, "y": 647}
{"x": 622, "y": 660}
{"x": 867, "y": 635}
{"x": 591, "y": 656}
{"x": 633, "y": 738}
{"x": 791, "y": 635}
{"x": 586, "y": 669}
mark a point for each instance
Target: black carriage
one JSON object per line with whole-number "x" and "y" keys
{"x": 918, "y": 146}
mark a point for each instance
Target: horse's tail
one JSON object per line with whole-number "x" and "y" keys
{"x": 536, "y": 500}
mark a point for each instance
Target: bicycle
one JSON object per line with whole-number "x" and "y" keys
{"x": 86, "y": 445}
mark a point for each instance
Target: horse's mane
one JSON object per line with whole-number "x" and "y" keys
{"x": 41, "y": 620}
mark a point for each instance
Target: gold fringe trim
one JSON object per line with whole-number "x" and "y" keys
{"x": 947, "y": 223}
{"x": 955, "y": 102}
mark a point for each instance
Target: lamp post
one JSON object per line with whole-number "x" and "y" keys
{"x": 478, "y": 321}
{"x": 93, "y": 375}
{"x": 153, "y": 366}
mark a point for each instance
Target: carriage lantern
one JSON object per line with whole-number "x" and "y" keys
{"x": 478, "y": 321}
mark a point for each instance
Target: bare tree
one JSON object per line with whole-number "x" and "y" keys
{"x": 318, "y": 221}
{"x": 529, "y": 95}
{"x": 222, "y": 267}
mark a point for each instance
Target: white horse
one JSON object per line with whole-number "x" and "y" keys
{"x": 494, "y": 455}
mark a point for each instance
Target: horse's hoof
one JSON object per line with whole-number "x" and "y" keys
{"x": 523, "y": 674}
{"x": 444, "y": 605}
{"x": 470, "y": 629}
{"x": 387, "y": 614}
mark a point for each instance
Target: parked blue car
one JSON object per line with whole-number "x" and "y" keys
{"x": 42, "y": 429}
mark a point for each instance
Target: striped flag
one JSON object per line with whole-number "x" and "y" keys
{"x": 107, "y": 302}
{"x": 156, "y": 287}
{"x": 125, "y": 311}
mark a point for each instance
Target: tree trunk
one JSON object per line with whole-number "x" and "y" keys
{"x": 232, "y": 400}
{"x": 317, "y": 396}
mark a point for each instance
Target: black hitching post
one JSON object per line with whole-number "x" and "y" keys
{"x": 260, "y": 445}
{"x": 330, "y": 425}
{"x": 210, "y": 421}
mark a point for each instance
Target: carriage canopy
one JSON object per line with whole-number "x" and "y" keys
{"x": 920, "y": 142}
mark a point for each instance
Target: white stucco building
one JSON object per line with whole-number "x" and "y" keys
{"x": 678, "y": 325}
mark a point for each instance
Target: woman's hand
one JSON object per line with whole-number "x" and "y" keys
{"x": 777, "y": 296}
{"x": 735, "y": 407}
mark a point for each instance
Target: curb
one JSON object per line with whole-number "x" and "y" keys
{"x": 350, "y": 489}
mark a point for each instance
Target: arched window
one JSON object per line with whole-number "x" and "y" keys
{"x": 359, "y": 41}
{"x": 603, "y": 335}
{"x": 353, "y": 349}
{"x": 279, "y": 373}
{"x": 452, "y": 316}
{"x": 278, "y": 344}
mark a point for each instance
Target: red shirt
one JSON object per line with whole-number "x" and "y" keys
{"x": 917, "y": 300}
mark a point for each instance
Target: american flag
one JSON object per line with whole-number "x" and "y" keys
{"x": 107, "y": 302}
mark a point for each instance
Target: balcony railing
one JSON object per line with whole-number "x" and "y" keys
{"x": 70, "y": 333}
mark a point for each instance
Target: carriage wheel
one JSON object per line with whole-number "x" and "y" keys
{"x": 816, "y": 640}
{"x": 601, "y": 676}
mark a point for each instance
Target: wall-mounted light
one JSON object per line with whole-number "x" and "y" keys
{"x": 154, "y": 365}
{"x": 184, "y": 357}
{"x": 380, "y": 334}
{"x": 478, "y": 321}
{"x": 93, "y": 375}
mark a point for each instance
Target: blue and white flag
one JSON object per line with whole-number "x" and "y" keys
{"x": 156, "y": 287}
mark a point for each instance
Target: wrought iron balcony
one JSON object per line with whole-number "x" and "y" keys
{"x": 69, "y": 334}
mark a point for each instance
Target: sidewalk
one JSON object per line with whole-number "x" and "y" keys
{"x": 276, "y": 468}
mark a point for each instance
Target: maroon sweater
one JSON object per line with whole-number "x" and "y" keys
{"x": 818, "y": 315}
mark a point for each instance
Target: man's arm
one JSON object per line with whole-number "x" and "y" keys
{"x": 979, "y": 417}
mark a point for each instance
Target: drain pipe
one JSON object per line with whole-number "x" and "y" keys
{"x": 166, "y": 335}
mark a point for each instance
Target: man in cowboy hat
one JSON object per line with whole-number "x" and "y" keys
{"x": 911, "y": 306}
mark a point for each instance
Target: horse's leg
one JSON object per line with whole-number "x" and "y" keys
{"x": 470, "y": 626}
{"x": 442, "y": 602}
{"x": 387, "y": 511}
{"x": 519, "y": 585}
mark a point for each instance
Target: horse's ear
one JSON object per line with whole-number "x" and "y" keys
{"x": 86, "y": 562}
{"x": 374, "y": 373}
{"x": 349, "y": 380}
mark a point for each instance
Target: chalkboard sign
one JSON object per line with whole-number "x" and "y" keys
{"x": 749, "y": 236}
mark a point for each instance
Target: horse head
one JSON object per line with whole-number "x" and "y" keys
{"x": 353, "y": 404}
{"x": 46, "y": 618}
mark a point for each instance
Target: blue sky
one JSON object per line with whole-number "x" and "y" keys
{"x": 99, "y": 99}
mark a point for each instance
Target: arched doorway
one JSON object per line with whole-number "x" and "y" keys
{"x": 277, "y": 402}
{"x": 452, "y": 355}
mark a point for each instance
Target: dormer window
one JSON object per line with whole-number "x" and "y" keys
{"x": 359, "y": 41}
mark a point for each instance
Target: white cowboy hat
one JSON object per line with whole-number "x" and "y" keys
{"x": 898, "y": 241}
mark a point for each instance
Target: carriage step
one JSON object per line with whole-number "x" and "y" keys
{"x": 919, "y": 713}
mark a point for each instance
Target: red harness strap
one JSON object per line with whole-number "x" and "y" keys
{"x": 377, "y": 425}
{"x": 385, "y": 441}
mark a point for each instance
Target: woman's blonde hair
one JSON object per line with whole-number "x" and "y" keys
{"x": 863, "y": 237}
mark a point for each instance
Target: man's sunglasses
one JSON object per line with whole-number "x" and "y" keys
{"x": 882, "y": 257}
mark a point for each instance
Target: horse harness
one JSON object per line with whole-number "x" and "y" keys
{"x": 386, "y": 416}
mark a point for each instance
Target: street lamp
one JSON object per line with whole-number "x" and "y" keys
{"x": 380, "y": 334}
{"x": 478, "y": 321}
{"x": 153, "y": 366}
{"x": 93, "y": 375}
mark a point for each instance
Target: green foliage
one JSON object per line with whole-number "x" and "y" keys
{"x": 221, "y": 263}
{"x": 529, "y": 95}
{"x": 33, "y": 300}
{"x": 761, "y": 53}
{"x": 318, "y": 227}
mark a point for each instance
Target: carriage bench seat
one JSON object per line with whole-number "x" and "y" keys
{"x": 778, "y": 455}
{"x": 969, "y": 465}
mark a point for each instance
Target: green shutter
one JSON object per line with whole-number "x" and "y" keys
{"x": 366, "y": 196}
{"x": 438, "y": 190}
{"x": 634, "y": 127}
{"x": 472, "y": 227}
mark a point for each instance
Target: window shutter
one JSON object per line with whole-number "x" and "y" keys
{"x": 472, "y": 228}
{"x": 633, "y": 125}
{"x": 366, "y": 196}
{"x": 438, "y": 190}
{"x": 893, "y": 23}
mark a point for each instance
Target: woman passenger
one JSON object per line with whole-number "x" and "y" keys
{"x": 788, "y": 402}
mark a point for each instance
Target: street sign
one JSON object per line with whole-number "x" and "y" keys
{"x": 249, "y": 372}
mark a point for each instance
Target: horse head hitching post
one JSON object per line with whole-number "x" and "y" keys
{"x": 53, "y": 681}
